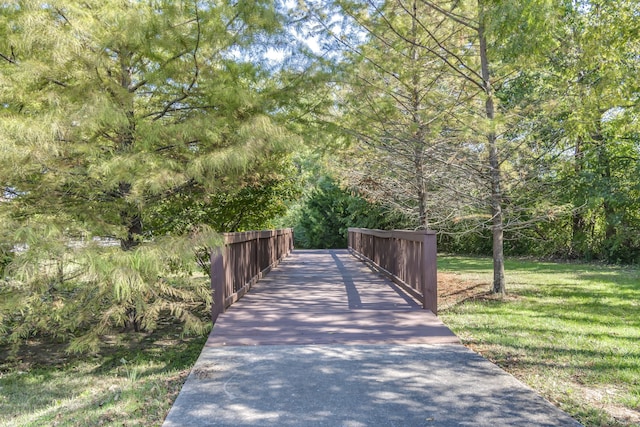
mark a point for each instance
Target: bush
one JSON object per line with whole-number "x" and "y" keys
{"x": 324, "y": 218}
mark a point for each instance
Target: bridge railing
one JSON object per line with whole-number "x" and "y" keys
{"x": 243, "y": 260}
{"x": 407, "y": 257}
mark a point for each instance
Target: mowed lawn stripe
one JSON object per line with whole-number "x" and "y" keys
{"x": 570, "y": 331}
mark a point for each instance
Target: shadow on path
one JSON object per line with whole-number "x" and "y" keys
{"x": 326, "y": 297}
{"x": 353, "y": 297}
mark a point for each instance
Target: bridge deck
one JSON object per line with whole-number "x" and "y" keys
{"x": 327, "y": 297}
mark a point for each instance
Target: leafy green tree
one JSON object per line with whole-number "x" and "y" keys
{"x": 254, "y": 202}
{"x": 578, "y": 112}
{"x": 596, "y": 70}
{"x": 109, "y": 110}
{"x": 577, "y": 138}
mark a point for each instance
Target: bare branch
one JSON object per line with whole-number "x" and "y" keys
{"x": 460, "y": 19}
{"x": 170, "y": 109}
{"x": 58, "y": 82}
{"x": 169, "y": 106}
{"x": 10, "y": 59}
{"x": 185, "y": 93}
{"x": 445, "y": 59}
{"x": 59, "y": 12}
{"x": 133, "y": 88}
{"x": 195, "y": 50}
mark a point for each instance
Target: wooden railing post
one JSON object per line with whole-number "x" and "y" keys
{"x": 429, "y": 273}
{"x": 218, "y": 279}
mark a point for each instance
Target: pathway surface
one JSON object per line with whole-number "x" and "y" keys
{"x": 325, "y": 341}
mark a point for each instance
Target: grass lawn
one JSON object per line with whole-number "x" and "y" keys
{"x": 570, "y": 331}
{"x": 131, "y": 383}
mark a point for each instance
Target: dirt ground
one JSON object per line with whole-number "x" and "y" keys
{"x": 453, "y": 290}
{"x": 46, "y": 351}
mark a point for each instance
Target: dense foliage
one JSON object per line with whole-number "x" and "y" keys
{"x": 509, "y": 126}
{"x": 112, "y": 114}
{"x": 131, "y": 133}
{"x": 323, "y": 217}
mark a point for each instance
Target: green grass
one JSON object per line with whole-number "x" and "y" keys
{"x": 570, "y": 331}
{"x": 129, "y": 384}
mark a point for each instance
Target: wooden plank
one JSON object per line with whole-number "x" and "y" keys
{"x": 411, "y": 235}
{"x": 324, "y": 297}
{"x": 218, "y": 282}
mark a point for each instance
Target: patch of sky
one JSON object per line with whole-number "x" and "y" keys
{"x": 612, "y": 114}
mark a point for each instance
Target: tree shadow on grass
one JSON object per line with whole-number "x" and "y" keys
{"x": 585, "y": 332}
{"x": 45, "y": 386}
{"x": 164, "y": 349}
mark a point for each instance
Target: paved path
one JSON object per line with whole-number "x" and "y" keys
{"x": 324, "y": 341}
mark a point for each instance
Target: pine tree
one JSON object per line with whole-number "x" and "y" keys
{"x": 108, "y": 109}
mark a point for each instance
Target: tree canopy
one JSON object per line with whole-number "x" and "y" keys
{"x": 132, "y": 133}
{"x": 111, "y": 111}
{"x": 491, "y": 121}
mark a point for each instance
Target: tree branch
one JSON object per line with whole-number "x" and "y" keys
{"x": 58, "y": 82}
{"x": 446, "y": 60}
{"x": 10, "y": 59}
{"x": 137, "y": 86}
{"x": 63, "y": 17}
{"x": 185, "y": 93}
{"x": 195, "y": 50}
{"x": 165, "y": 111}
{"x": 460, "y": 19}
{"x": 169, "y": 106}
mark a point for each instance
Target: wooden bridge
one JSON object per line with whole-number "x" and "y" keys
{"x": 384, "y": 291}
{"x": 342, "y": 338}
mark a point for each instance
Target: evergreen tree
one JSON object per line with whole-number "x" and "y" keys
{"x": 323, "y": 219}
{"x": 108, "y": 110}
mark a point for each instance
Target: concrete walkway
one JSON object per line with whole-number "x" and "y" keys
{"x": 324, "y": 341}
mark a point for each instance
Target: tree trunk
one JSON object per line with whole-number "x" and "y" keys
{"x": 422, "y": 194}
{"x": 495, "y": 177}
{"x": 130, "y": 214}
{"x": 133, "y": 321}
{"x": 419, "y": 140}
{"x": 134, "y": 229}
{"x": 610, "y": 212}
{"x": 496, "y": 208}
{"x": 131, "y": 219}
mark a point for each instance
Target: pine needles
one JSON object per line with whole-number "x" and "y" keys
{"x": 80, "y": 291}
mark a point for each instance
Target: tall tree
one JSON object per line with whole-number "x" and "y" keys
{"x": 400, "y": 116}
{"x": 109, "y": 109}
{"x": 467, "y": 51}
{"x": 596, "y": 75}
